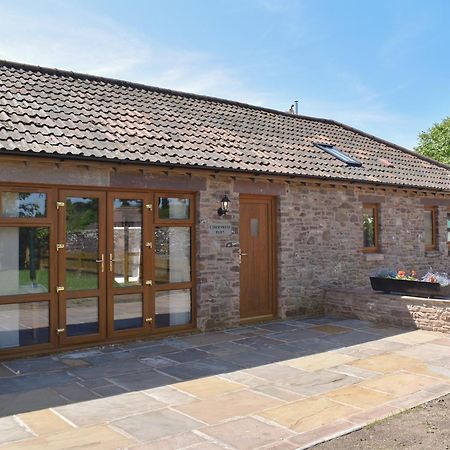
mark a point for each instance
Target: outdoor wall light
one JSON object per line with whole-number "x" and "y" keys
{"x": 224, "y": 205}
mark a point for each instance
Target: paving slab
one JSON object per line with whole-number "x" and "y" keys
{"x": 208, "y": 387}
{"x": 173, "y": 442}
{"x": 386, "y": 363}
{"x": 29, "y": 400}
{"x": 44, "y": 422}
{"x": 98, "y": 437}
{"x": 141, "y": 381}
{"x": 106, "y": 409}
{"x": 12, "y": 430}
{"x": 157, "y": 424}
{"x": 274, "y": 372}
{"x": 109, "y": 369}
{"x": 312, "y": 363}
{"x": 228, "y": 406}
{"x": 34, "y": 381}
{"x": 5, "y": 372}
{"x": 169, "y": 395}
{"x": 313, "y": 383}
{"x": 198, "y": 369}
{"x": 330, "y": 329}
{"x": 399, "y": 384}
{"x": 305, "y": 415}
{"x": 248, "y": 433}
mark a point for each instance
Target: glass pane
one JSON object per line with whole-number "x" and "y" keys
{"x": 24, "y": 324}
{"x": 81, "y": 316}
{"x": 428, "y": 227}
{"x": 128, "y": 311}
{"x": 173, "y": 308}
{"x": 173, "y": 208}
{"x": 254, "y": 227}
{"x": 81, "y": 243}
{"x": 448, "y": 228}
{"x": 24, "y": 204}
{"x": 127, "y": 242}
{"x": 369, "y": 227}
{"x": 23, "y": 260}
{"x": 172, "y": 254}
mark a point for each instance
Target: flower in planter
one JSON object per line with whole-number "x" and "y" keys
{"x": 402, "y": 275}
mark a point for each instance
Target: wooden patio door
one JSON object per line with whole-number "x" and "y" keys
{"x": 129, "y": 264}
{"x": 81, "y": 251}
{"x": 257, "y": 257}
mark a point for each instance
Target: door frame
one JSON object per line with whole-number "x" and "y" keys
{"x": 147, "y": 267}
{"x": 64, "y": 340}
{"x": 273, "y": 253}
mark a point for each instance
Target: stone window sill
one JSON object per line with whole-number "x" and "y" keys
{"x": 432, "y": 253}
{"x": 374, "y": 256}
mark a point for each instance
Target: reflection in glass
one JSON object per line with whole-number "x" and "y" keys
{"x": 172, "y": 254}
{"x": 369, "y": 227}
{"x": 23, "y": 260}
{"x": 254, "y": 227}
{"x": 24, "y": 204}
{"x": 127, "y": 242}
{"x": 448, "y": 228}
{"x": 128, "y": 311}
{"x": 81, "y": 316}
{"x": 24, "y": 324}
{"x": 173, "y": 208}
{"x": 82, "y": 243}
{"x": 428, "y": 227}
{"x": 172, "y": 308}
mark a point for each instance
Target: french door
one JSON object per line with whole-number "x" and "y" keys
{"x": 81, "y": 266}
{"x": 104, "y": 266}
{"x": 81, "y": 252}
{"x": 129, "y": 264}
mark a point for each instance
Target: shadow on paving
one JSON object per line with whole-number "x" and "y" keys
{"x": 30, "y": 384}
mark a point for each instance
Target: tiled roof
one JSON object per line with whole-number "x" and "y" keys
{"x": 52, "y": 112}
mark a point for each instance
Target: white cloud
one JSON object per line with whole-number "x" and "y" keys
{"x": 74, "y": 39}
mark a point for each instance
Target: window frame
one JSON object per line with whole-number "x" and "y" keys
{"x": 433, "y": 245}
{"x": 376, "y": 232}
{"x": 448, "y": 228}
{"x": 174, "y": 286}
{"x": 339, "y": 154}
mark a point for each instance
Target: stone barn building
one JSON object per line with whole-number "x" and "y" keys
{"x": 128, "y": 211}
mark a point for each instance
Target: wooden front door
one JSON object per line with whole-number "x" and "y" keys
{"x": 257, "y": 257}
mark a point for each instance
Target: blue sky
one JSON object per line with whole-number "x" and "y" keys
{"x": 382, "y": 66}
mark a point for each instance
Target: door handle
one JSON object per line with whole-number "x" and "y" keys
{"x": 241, "y": 254}
{"x": 102, "y": 262}
{"x": 111, "y": 261}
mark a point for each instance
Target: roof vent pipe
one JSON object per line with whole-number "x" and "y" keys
{"x": 296, "y": 107}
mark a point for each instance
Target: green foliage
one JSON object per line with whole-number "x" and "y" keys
{"x": 435, "y": 142}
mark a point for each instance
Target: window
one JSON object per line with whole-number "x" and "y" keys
{"x": 339, "y": 154}
{"x": 370, "y": 228}
{"x": 25, "y": 238}
{"x": 173, "y": 264}
{"x": 448, "y": 230}
{"x": 429, "y": 219}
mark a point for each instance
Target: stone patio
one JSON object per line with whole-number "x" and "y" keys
{"x": 279, "y": 385}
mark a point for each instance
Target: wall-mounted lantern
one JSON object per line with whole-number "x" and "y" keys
{"x": 224, "y": 206}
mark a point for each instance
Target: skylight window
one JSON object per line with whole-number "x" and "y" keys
{"x": 339, "y": 154}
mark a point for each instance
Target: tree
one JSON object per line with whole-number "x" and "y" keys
{"x": 435, "y": 142}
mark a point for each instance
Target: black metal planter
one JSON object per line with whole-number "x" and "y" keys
{"x": 419, "y": 288}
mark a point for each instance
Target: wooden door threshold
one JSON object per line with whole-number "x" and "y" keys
{"x": 263, "y": 318}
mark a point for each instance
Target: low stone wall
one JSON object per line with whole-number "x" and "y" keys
{"x": 398, "y": 310}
